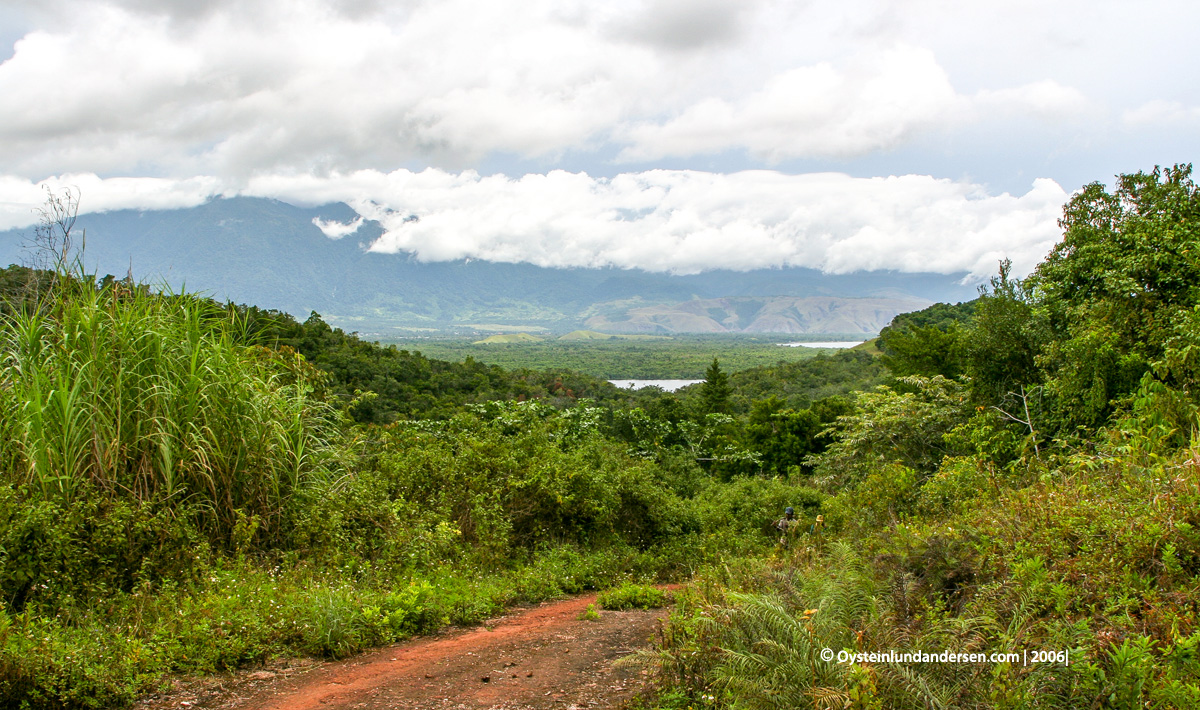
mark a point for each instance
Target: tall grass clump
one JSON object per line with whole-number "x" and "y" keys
{"x": 117, "y": 392}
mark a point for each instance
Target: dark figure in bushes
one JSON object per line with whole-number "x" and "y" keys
{"x": 786, "y": 525}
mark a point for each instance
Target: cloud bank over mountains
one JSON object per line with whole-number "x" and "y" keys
{"x": 678, "y": 221}
{"x": 666, "y": 134}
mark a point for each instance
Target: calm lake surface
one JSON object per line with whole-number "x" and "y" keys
{"x": 831, "y": 344}
{"x": 668, "y": 385}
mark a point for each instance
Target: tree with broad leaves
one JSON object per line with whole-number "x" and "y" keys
{"x": 1117, "y": 289}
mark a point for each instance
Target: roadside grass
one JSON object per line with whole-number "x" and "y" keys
{"x": 242, "y": 614}
{"x": 589, "y": 614}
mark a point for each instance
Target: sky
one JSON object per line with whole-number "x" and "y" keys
{"x": 669, "y": 135}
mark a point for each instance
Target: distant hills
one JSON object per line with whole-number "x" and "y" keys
{"x": 779, "y": 314}
{"x": 271, "y": 254}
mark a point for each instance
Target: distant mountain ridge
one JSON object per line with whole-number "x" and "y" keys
{"x": 271, "y": 254}
{"x": 780, "y": 314}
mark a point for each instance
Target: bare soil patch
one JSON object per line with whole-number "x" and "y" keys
{"x": 536, "y": 658}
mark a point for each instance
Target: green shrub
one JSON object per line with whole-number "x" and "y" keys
{"x": 511, "y": 484}
{"x": 750, "y": 506}
{"x": 1097, "y": 558}
{"x": 92, "y": 547}
{"x": 633, "y": 596}
{"x": 881, "y": 499}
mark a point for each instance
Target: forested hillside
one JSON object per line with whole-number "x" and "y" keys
{"x": 192, "y": 487}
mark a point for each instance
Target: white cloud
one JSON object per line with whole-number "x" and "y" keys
{"x": 681, "y": 24}
{"x": 335, "y": 229}
{"x": 661, "y": 220}
{"x": 1160, "y": 112}
{"x": 313, "y": 88}
{"x": 814, "y": 111}
{"x": 319, "y": 100}
{"x": 1045, "y": 99}
{"x": 690, "y": 221}
{"x": 20, "y": 199}
{"x": 233, "y": 89}
{"x": 877, "y": 102}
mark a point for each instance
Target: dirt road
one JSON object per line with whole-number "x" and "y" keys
{"x": 536, "y": 658}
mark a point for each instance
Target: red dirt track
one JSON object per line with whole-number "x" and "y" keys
{"x": 536, "y": 658}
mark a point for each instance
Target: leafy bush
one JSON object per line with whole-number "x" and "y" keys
{"x": 510, "y": 484}
{"x": 886, "y": 496}
{"x": 633, "y": 596}
{"x": 1096, "y": 558}
{"x": 750, "y": 506}
{"x": 91, "y": 547}
{"x": 889, "y": 426}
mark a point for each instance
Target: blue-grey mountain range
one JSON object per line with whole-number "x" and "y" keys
{"x": 271, "y": 254}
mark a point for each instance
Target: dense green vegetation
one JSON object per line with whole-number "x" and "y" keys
{"x": 192, "y": 487}
{"x": 632, "y": 596}
{"x": 406, "y": 384}
{"x": 187, "y": 490}
{"x": 1028, "y": 484}
{"x": 926, "y": 341}
{"x": 678, "y": 357}
{"x": 800, "y": 384}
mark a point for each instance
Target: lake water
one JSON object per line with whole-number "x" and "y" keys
{"x": 839, "y": 345}
{"x": 668, "y": 385}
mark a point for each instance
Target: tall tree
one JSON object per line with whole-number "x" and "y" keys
{"x": 1118, "y": 287}
{"x": 1002, "y": 342}
{"x": 927, "y": 342}
{"x": 714, "y": 392}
